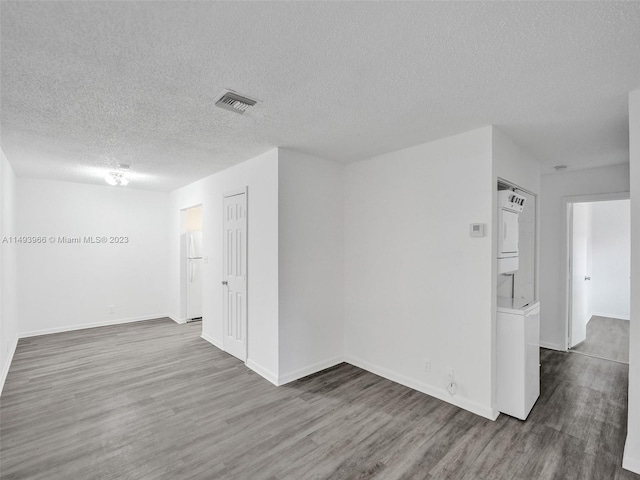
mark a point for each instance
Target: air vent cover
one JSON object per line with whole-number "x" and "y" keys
{"x": 234, "y": 102}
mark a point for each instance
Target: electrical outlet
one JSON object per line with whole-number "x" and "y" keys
{"x": 452, "y": 386}
{"x": 112, "y": 309}
{"x": 427, "y": 365}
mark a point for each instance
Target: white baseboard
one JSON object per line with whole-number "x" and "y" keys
{"x": 263, "y": 372}
{"x": 177, "y": 320}
{"x": 628, "y": 462}
{"x": 303, "y": 372}
{"x": 69, "y": 328}
{"x": 439, "y": 393}
{"x": 212, "y": 341}
{"x": 609, "y": 315}
{"x": 5, "y": 369}
{"x": 553, "y": 346}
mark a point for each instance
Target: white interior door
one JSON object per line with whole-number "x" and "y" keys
{"x": 579, "y": 307}
{"x": 235, "y": 275}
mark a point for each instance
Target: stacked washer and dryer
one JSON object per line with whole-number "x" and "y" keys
{"x": 518, "y": 325}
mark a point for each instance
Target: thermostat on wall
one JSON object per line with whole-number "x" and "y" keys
{"x": 477, "y": 229}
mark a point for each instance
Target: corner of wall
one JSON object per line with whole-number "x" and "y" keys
{"x": 8, "y": 269}
{"x": 310, "y": 264}
{"x": 631, "y": 459}
{"x": 6, "y": 364}
{"x": 265, "y": 373}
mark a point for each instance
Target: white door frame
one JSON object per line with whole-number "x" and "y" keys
{"x": 227, "y": 194}
{"x": 567, "y": 248}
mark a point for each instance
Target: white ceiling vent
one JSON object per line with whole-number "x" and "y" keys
{"x": 234, "y": 102}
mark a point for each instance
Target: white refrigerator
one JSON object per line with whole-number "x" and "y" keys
{"x": 194, "y": 275}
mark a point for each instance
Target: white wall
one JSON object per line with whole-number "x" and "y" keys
{"x": 8, "y": 269}
{"x": 631, "y": 459}
{"x": 260, "y": 175}
{"x": 514, "y": 164}
{"x": 311, "y": 264}
{"x": 552, "y": 269}
{"x": 610, "y": 259}
{"x": 407, "y": 245}
{"x": 67, "y": 286}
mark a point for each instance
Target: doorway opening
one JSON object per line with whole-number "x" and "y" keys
{"x": 598, "y": 276}
{"x": 191, "y": 263}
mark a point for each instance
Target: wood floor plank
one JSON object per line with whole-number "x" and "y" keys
{"x": 152, "y": 400}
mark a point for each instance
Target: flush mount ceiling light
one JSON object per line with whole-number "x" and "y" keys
{"x": 116, "y": 178}
{"x": 234, "y": 102}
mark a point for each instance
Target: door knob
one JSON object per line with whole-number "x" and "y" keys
{"x": 224, "y": 282}
{"x": 587, "y": 278}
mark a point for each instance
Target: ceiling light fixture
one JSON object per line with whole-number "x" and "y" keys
{"x": 116, "y": 178}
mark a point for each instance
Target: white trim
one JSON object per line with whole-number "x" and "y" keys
{"x": 177, "y": 320}
{"x": 596, "y": 197}
{"x": 553, "y": 346}
{"x": 567, "y": 241}
{"x": 628, "y": 462}
{"x": 69, "y": 328}
{"x": 5, "y": 370}
{"x": 235, "y": 192}
{"x": 192, "y": 206}
{"x": 439, "y": 393}
{"x": 263, "y": 372}
{"x": 309, "y": 370}
{"x": 609, "y": 315}
{"x": 212, "y": 341}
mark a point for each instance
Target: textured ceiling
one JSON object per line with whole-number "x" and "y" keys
{"x": 87, "y": 85}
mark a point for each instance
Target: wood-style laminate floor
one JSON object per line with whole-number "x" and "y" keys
{"x": 606, "y": 338}
{"x": 152, "y": 400}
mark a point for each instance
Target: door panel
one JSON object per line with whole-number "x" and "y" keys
{"x": 235, "y": 275}
{"x": 579, "y": 258}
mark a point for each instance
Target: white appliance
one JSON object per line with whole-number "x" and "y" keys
{"x": 510, "y": 205}
{"x": 193, "y": 249}
{"x": 518, "y": 357}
